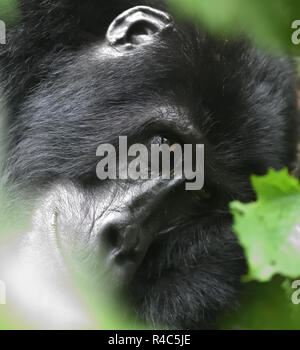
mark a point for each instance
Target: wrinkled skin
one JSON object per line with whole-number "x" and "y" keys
{"x": 76, "y": 76}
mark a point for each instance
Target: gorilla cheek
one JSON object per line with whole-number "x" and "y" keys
{"x": 109, "y": 229}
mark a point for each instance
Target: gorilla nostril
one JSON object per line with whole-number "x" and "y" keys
{"x": 111, "y": 236}
{"x": 120, "y": 238}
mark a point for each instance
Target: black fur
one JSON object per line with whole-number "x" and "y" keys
{"x": 63, "y": 103}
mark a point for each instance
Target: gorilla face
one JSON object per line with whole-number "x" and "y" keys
{"x": 77, "y": 77}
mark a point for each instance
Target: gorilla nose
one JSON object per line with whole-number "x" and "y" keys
{"x": 124, "y": 247}
{"x": 131, "y": 226}
{"x": 120, "y": 238}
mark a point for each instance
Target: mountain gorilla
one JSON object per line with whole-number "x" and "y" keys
{"x": 77, "y": 74}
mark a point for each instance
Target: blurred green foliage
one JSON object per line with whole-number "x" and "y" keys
{"x": 268, "y": 22}
{"x": 8, "y": 11}
{"x": 264, "y": 306}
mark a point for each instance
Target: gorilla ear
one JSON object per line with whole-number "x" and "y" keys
{"x": 137, "y": 26}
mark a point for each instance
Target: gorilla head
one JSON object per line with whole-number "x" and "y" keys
{"x": 80, "y": 74}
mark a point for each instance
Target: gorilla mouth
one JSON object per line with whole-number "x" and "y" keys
{"x": 186, "y": 269}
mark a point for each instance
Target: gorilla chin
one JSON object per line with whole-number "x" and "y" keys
{"x": 77, "y": 75}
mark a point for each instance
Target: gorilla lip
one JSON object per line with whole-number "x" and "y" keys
{"x": 185, "y": 161}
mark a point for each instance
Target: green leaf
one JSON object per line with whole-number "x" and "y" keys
{"x": 269, "y": 229}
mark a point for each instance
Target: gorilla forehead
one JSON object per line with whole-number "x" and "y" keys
{"x": 176, "y": 80}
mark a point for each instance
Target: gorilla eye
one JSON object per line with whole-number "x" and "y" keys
{"x": 161, "y": 140}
